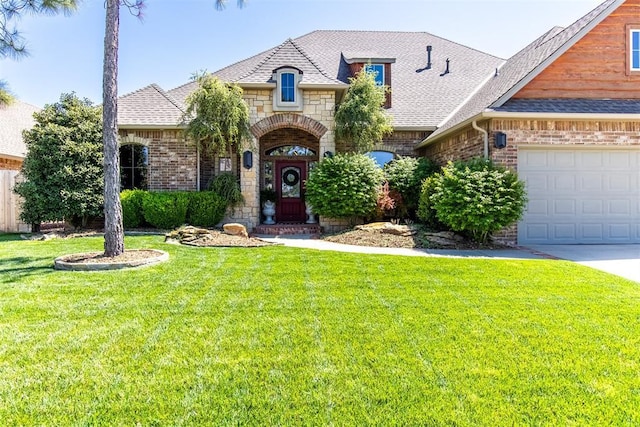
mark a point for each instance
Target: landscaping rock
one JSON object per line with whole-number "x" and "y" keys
{"x": 235, "y": 229}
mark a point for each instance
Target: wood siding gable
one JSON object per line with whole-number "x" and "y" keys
{"x": 595, "y": 67}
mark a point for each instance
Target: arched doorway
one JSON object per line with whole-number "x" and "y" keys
{"x": 287, "y": 157}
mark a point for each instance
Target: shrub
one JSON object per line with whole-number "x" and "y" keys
{"x": 426, "y": 212}
{"x": 165, "y": 210}
{"x": 344, "y": 186}
{"x": 206, "y": 209}
{"x": 477, "y": 198}
{"x": 405, "y": 176}
{"x": 132, "y": 215}
{"x": 226, "y": 186}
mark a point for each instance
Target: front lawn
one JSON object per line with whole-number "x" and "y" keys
{"x": 282, "y": 336}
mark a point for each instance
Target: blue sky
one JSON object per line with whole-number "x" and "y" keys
{"x": 179, "y": 37}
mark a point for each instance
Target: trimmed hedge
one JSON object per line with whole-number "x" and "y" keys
{"x": 171, "y": 209}
{"x": 206, "y": 209}
{"x": 344, "y": 186}
{"x": 131, "y": 201}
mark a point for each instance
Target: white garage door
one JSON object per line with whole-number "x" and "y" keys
{"x": 583, "y": 195}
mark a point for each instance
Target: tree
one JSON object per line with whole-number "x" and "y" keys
{"x": 63, "y": 166}
{"x": 360, "y": 119}
{"x": 216, "y": 116}
{"x": 113, "y": 228}
{"x": 12, "y": 44}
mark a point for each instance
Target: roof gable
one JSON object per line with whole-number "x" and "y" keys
{"x": 149, "y": 106}
{"x": 525, "y": 65}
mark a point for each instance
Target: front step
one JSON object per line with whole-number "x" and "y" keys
{"x": 288, "y": 229}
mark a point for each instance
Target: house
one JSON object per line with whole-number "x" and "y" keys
{"x": 14, "y": 118}
{"x": 566, "y": 106}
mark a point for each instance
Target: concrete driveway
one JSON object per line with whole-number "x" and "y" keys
{"x": 621, "y": 260}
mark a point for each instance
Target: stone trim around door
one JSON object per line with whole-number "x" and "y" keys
{"x": 289, "y": 120}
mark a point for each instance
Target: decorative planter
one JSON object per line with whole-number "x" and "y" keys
{"x": 311, "y": 217}
{"x": 269, "y": 210}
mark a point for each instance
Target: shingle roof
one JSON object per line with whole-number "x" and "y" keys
{"x": 525, "y": 65}
{"x": 149, "y": 106}
{"x": 594, "y": 106}
{"x": 420, "y": 99}
{"x": 288, "y": 53}
{"x": 15, "y": 118}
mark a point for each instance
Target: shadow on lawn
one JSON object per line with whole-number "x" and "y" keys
{"x": 10, "y": 237}
{"x": 17, "y": 268}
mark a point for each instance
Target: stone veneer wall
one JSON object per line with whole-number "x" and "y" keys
{"x": 318, "y": 105}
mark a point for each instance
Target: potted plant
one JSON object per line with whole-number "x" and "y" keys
{"x": 268, "y": 202}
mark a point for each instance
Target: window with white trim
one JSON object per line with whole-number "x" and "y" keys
{"x": 634, "y": 50}
{"x": 287, "y": 95}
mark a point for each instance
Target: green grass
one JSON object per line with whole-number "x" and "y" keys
{"x": 280, "y": 336}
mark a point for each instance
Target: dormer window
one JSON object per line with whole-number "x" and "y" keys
{"x": 287, "y": 95}
{"x": 378, "y": 72}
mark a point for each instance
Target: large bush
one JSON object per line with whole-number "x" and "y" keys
{"x": 206, "y": 209}
{"x": 344, "y": 186}
{"x": 476, "y": 198}
{"x": 405, "y": 176}
{"x": 132, "y": 215}
{"x": 165, "y": 210}
{"x": 226, "y": 186}
{"x": 63, "y": 168}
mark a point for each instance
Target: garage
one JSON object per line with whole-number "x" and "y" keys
{"x": 585, "y": 195}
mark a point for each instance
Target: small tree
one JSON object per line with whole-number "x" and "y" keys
{"x": 344, "y": 186}
{"x": 217, "y": 117}
{"x": 63, "y": 166}
{"x": 360, "y": 119}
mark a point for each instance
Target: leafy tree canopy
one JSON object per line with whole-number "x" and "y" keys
{"x": 63, "y": 166}
{"x": 360, "y": 118}
{"x": 217, "y": 117}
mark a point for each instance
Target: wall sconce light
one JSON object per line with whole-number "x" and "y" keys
{"x": 247, "y": 159}
{"x": 328, "y": 154}
{"x": 500, "y": 140}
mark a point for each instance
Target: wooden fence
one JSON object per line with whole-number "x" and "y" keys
{"x": 10, "y": 204}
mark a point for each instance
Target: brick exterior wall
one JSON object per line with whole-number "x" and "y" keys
{"x": 468, "y": 143}
{"x": 400, "y": 142}
{"x": 10, "y": 164}
{"x": 173, "y": 161}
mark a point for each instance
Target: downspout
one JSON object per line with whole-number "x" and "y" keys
{"x": 198, "y": 167}
{"x": 485, "y": 136}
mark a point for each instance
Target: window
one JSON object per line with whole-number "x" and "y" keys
{"x": 287, "y": 95}
{"x": 635, "y": 50}
{"x": 381, "y": 157}
{"x": 224, "y": 164}
{"x": 134, "y": 162}
{"x": 378, "y": 71}
{"x": 287, "y": 87}
{"x": 291, "y": 150}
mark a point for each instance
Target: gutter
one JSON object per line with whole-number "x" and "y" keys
{"x": 490, "y": 114}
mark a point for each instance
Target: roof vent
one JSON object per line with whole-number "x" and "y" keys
{"x": 446, "y": 71}
{"x": 429, "y": 49}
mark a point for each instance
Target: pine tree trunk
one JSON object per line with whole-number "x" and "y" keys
{"x": 113, "y": 228}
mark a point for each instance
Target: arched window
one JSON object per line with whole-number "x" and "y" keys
{"x": 134, "y": 163}
{"x": 381, "y": 157}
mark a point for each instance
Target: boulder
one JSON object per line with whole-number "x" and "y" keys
{"x": 235, "y": 229}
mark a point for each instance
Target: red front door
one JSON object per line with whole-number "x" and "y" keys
{"x": 290, "y": 176}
